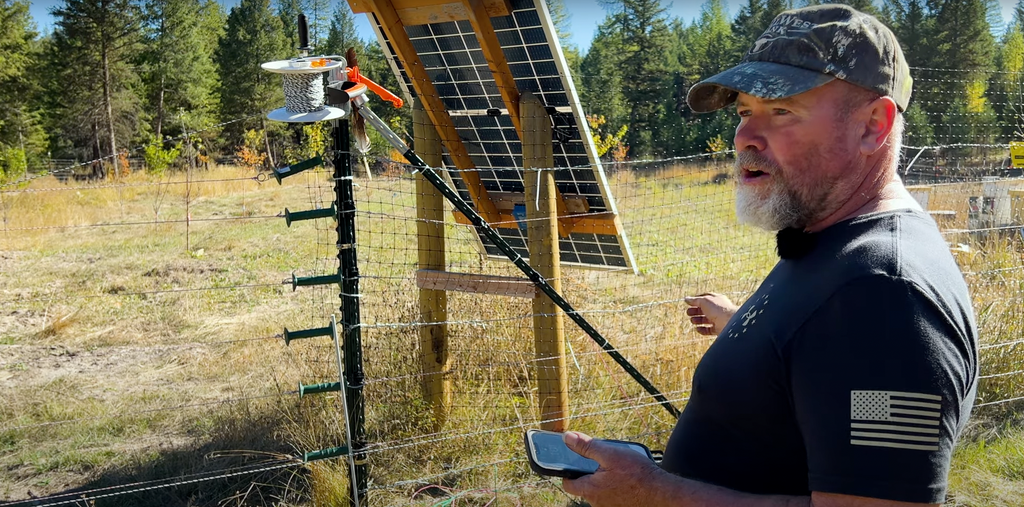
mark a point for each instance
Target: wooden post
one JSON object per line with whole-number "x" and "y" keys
{"x": 436, "y": 383}
{"x": 542, "y": 232}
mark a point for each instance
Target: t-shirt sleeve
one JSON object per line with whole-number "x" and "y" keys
{"x": 881, "y": 383}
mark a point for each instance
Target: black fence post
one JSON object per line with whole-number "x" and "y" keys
{"x": 352, "y": 339}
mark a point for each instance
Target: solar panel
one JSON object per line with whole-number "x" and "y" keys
{"x": 452, "y": 58}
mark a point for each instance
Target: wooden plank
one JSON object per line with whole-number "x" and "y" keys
{"x": 477, "y": 284}
{"x": 506, "y": 201}
{"x": 409, "y": 7}
{"x": 480, "y": 18}
{"x": 435, "y": 362}
{"x": 596, "y": 223}
{"x": 542, "y": 233}
{"x": 433, "y": 14}
{"x": 394, "y": 28}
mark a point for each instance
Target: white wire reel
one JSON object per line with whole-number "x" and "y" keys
{"x": 304, "y": 88}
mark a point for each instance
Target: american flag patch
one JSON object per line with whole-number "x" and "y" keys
{"x": 895, "y": 419}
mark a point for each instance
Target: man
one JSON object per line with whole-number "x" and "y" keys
{"x": 846, "y": 378}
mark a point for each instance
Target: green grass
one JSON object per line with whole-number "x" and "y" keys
{"x": 988, "y": 469}
{"x": 93, "y": 336}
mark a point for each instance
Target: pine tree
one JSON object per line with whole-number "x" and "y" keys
{"x": 342, "y": 33}
{"x": 679, "y": 126}
{"x": 318, "y": 19}
{"x": 181, "y": 76}
{"x": 1009, "y": 87}
{"x": 253, "y": 36}
{"x": 702, "y": 49}
{"x": 773, "y": 8}
{"x": 752, "y": 21}
{"x": 747, "y": 27}
{"x": 98, "y": 92}
{"x": 963, "y": 41}
{"x": 963, "y": 36}
{"x": 918, "y": 131}
{"x": 715, "y": 37}
{"x": 22, "y": 138}
{"x": 560, "y": 18}
{"x": 211, "y": 28}
{"x": 912, "y": 23}
{"x": 865, "y": 6}
{"x": 994, "y": 16}
{"x": 288, "y": 11}
{"x": 645, "y": 31}
{"x": 601, "y": 77}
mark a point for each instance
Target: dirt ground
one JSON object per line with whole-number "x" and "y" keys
{"x": 100, "y": 375}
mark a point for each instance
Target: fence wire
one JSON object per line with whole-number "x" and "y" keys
{"x": 160, "y": 345}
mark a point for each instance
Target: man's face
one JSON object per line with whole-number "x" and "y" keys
{"x": 794, "y": 158}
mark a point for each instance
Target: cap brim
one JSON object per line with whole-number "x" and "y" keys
{"x": 767, "y": 80}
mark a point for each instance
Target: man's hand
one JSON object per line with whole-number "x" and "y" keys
{"x": 627, "y": 479}
{"x": 622, "y": 479}
{"x": 710, "y": 312}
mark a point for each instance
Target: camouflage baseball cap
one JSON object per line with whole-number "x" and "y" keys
{"x": 806, "y": 48}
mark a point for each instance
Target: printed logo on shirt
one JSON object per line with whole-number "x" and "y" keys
{"x": 749, "y": 317}
{"x": 895, "y": 419}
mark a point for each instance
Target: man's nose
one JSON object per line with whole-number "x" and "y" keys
{"x": 749, "y": 135}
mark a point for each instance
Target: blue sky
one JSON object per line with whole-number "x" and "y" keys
{"x": 584, "y": 15}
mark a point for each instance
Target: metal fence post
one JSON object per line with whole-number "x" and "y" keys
{"x": 349, "y": 269}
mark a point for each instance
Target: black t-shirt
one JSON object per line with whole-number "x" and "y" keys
{"x": 851, "y": 370}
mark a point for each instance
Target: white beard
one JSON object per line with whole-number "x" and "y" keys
{"x": 775, "y": 212}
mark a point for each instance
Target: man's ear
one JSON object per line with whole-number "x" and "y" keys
{"x": 882, "y": 117}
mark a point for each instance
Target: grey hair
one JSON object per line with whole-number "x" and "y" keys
{"x": 895, "y": 139}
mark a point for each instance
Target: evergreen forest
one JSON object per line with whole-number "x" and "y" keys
{"x": 156, "y": 79}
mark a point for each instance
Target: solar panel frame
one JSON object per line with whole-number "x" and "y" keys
{"x": 455, "y": 63}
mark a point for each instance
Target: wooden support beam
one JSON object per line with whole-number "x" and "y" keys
{"x": 596, "y": 223}
{"x": 480, "y": 18}
{"x": 505, "y": 202}
{"x": 417, "y": 12}
{"x": 434, "y": 354}
{"x": 542, "y": 233}
{"x": 394, "y": 28}
{"x": 477, "y": 284}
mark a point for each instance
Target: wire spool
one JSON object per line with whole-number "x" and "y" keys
{"x": 303, "y": 93}
{"x": 304, "y": 90}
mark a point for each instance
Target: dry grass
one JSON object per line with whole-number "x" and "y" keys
{"x": 100, "y": 326}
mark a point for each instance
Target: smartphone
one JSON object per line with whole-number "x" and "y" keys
{"x": 549, "y": 455}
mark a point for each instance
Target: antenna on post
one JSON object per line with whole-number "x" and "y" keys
{"x": 303, "y": 48}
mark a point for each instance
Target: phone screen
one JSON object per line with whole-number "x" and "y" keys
{"x": 550, "y": 452}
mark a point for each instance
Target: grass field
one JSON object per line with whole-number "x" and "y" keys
{"x": 140, "y": 321}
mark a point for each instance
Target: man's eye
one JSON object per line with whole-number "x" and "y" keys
{"x": 781, "y": 111}
{"x": 743, "y": 112}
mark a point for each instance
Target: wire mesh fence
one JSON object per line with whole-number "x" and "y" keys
{"x": 142, "y": 323}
